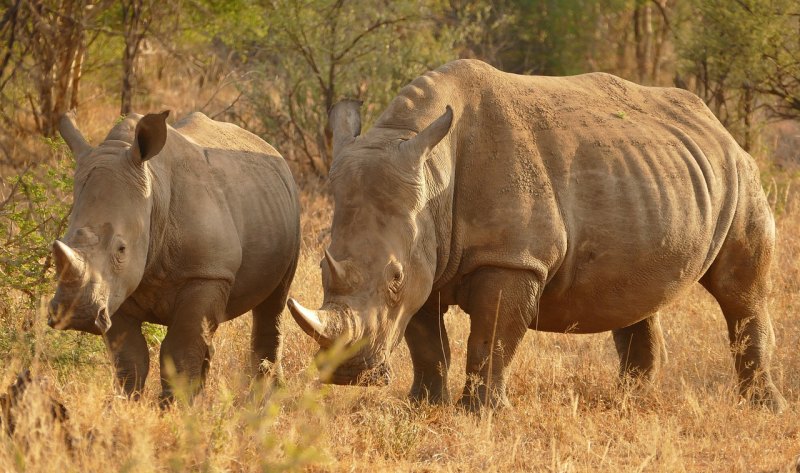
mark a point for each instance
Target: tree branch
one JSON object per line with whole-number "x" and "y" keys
{"x": 365, "y": 33}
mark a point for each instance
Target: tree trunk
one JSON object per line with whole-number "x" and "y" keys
{"x": 132, "y": 22}
{"x": 77, "y": 70}
{"x": 127, "y": 81}
{"x": 56, "y": 44}
{"x": 660, "y": 40}
{"x": 748, "y": 117}
{"x": 642, "y": 33}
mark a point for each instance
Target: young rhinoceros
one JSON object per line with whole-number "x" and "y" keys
{"x": 565, "y": 204}
{"x": 187, "y": 227}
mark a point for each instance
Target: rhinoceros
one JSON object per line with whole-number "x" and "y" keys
{"x": 186, "y": 227}
{"x": 564, "y": 204}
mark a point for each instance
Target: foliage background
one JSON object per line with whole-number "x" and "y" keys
{"x": 275, "y": 67}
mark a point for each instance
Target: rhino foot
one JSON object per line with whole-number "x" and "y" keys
{"x": 166, "y": 399}
{"x": 768, "y": 397}
{"x": 476, "y": 406}
{"x": 419, "y": 395}
{"x": 271, "y": 373}
{"x": 476, "y": 398}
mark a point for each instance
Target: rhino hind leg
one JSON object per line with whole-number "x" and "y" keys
{"x": 265, "y": 339}
{"x": 751, "y": 337}
{"x": 739, "y": 281}
{"x": 501, "y": 304}
{"x": 640, "y": 347}
{"x": 186, "y": 351}
{"x": 129, "y": 354}
{"x": 430, "y": 355}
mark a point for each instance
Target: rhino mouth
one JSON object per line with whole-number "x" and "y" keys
{"x": 360, "y": 374}
{"x": 60, "y": 319}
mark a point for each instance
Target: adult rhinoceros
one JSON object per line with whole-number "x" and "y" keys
{"x": 577, "y": 204}
{"x": 187, "y": 227}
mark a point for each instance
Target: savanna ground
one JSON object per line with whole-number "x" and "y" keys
{"x": 568, "y": 414}
{"x": 242, "y": 62}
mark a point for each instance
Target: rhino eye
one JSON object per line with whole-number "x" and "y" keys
{"x": 121, "y": 255}
{"x": 395, "y": 276}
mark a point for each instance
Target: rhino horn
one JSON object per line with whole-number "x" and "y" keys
{"x": 417, "y": 148}
{"x": 69, "y": 265}
{"x": 344, "y": 121}
{"x": 311, "y": 323}
{"x": 336, "y": 270}
{"x": 326, "y": 326}
{"x": 72, "y": 136}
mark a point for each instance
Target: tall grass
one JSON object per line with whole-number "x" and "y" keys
{"x": 568, "y": 414}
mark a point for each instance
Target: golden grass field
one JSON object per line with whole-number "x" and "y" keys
{"x": 568, "y": 414}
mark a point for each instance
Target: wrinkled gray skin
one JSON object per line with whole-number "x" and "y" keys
{"x": 577, "y": 204}
{"x": 187, "y": 227}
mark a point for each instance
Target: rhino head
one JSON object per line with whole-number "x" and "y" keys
{"x": 101, "y": 258}
{"x": 379, "y": 268}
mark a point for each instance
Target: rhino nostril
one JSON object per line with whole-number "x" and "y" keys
{"x": 102, "y": 321}
{"x": 52, "y": 313}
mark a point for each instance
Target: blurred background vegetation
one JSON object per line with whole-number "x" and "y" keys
{"x": 275, "y": 67}
{"x": 280, "y": 64}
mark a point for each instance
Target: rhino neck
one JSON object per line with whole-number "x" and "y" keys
{"x": 417, "y": 105}
{"x": 158, "y": 173}
{"x": 439, "y": 175}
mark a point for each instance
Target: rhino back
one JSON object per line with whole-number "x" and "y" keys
{"x": 645, "y": 181}
{"x": 234, "y": 211}
{"x": 618, "y": 195}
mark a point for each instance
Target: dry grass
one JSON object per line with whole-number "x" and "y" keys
{"x": 568, "y": 415}
{"x": 568, "y": 412}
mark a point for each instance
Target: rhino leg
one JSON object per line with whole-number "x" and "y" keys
{"x": 430, "y": 355}
{"x": 501, "y": 304}
{"x": 639, "y": 347}
{"x": 129, "y": 354}
{"x": 186, "y": 350}
{"x": 751, "y": 336}
{"x": 739, "y": 281}
{"x": 265, "y": 340}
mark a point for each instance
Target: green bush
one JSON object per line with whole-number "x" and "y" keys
{"x": 33, "y": 214}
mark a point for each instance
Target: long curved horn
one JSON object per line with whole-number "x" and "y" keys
{"x": 336, "y": 270}
{"x": 69, "y": 131}
{"x": 69, "y": 265}
{"x": 311, "y": 323}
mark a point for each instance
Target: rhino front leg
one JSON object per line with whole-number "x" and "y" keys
{"x": 430, "y": 354}
{"x": 129, "y": 354}
{"x": 186, "y": 351}
{"x": 640, "y": 347}
{"x": 501, "y": 304}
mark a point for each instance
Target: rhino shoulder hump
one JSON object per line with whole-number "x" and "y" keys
{"x": 194, "y": 117}
{"x": 466, "y": 64}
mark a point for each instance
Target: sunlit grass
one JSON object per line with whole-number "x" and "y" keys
{"x": 568, "y": 412}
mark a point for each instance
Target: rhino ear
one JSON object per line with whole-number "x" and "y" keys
{"x": 417, "y": 148}
{"x": 150, "y": 136}
{"x": 72, "y": 136}
{"x": 344, "y": 121}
